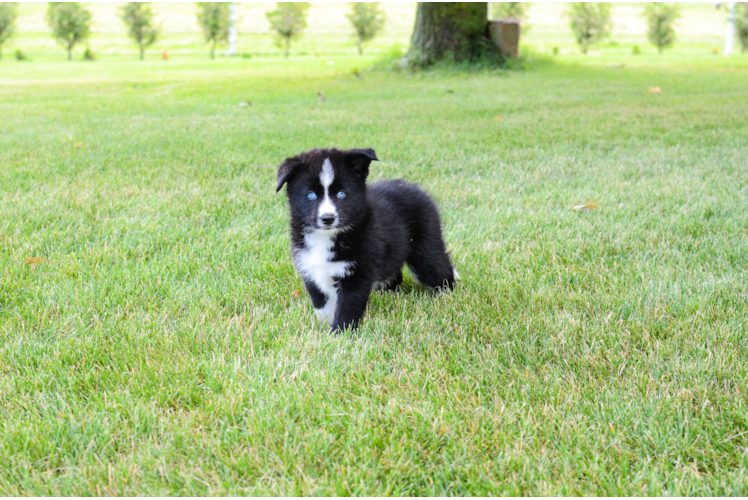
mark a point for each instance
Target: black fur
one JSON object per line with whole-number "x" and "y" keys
{"x": 380, "y": 227}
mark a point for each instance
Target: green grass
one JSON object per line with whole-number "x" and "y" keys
{"x": 159, "y": 349}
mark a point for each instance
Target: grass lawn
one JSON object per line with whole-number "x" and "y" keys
{"x": 159, "y": 349}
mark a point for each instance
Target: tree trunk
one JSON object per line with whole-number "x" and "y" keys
{"x": 142, "y": 51}
{"x": 360, "y": 49}
{"x": 70, "y": 53}
{"x": 213, "y": 50}
{"x": 446, "y": 30}
{"x": 288, "y": 46}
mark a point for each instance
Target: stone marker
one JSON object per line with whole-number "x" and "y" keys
{"x": 505, "y": 34}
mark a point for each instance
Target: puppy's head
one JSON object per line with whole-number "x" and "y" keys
{"x": 326, "y": 187}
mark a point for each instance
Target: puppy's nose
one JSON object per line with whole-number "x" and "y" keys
{"x": 327, "y": 219}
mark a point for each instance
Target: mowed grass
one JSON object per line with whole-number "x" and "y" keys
{"x": 159, "y": 349}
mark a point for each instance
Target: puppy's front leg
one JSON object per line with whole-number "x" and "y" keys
{"x": 319, "y": 299}
{"x": 352, "y": 299}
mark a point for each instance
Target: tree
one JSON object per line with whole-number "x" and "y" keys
{"x": 516, "y": 10}
{"x": 741, "y": 25}
{"x": 590, "y": 22}
{"x": 213, "y": 18}
{"x": 367, "y": 20}
{"x": 8, "y": 15}
{"x": 445, "y": 30}
{"x": 70, "y": 23}
{"x": 139, "y": 20}
{"x": 288, "y": 20}
{"x": 660, "y": 18}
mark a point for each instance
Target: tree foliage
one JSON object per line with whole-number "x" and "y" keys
{"x": 213, "y": 18}
{"x": 590, "y": 22}
{"x": 516, "y": 10}
{"x": 8, "y": 15}
{"x": 138, "y": 17}
{"x": 741, "y": 24}
{"x": 70, "y": 23}
{"x": 288, "y": 20}
{"x": 367, "y": 20}
{"x": 660, "y": 19}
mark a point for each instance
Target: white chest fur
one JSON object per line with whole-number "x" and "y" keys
{"x": 315, "y": 263}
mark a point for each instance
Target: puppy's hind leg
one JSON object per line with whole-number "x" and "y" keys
{"x": 389, "y": 284}
{"x": 429, "y": 263}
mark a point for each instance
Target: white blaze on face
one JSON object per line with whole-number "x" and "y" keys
{"x": 326, "y": 178}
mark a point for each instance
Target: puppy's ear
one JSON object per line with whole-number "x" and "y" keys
{"x": 359, "y": 160}
{"x": 287, "y": 170}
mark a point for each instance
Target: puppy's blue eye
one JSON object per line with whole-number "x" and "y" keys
{"x": 312, "y": 195}
{"x": 341, "y": 194}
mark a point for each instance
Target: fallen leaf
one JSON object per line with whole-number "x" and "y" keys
{"x": 450, "y": 91}
{"x": 655, "y": 90}
{"x": 498, "y": 117}
{"x": 35, "y": 260}
{"x": 296, "y": 294}
{"x": 79, "y": 144}
{"x": 589, "y": 205}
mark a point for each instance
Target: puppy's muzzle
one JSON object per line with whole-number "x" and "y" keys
{"x": 328, "y": 220}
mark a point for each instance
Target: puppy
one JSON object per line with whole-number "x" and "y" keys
{"x": 348, "y": 237}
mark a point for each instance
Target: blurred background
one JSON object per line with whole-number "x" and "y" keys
{"x": 700, "y": 30}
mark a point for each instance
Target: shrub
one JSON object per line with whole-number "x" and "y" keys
{"x": 517, "y": 10}
{"x": 20, "y": 55}
{"x": 635, "y": 50}
{"x": 288, "y": 20}
{"x": 556, "y": 51}
{"x": 8, "y": 15}
{"x": 660, "y": 18}
{"x": 139, "y": 20}
{"x": 70, "y": 23}
{"x": 590, "y": 22}
{"x": 367, "y": 20}
{"x": 89, "y": 55}
{"x": 213, "y": 18}
{"x": 741, "y": 25}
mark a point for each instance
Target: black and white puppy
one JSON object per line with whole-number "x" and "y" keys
{"x": 349, "y": 238}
